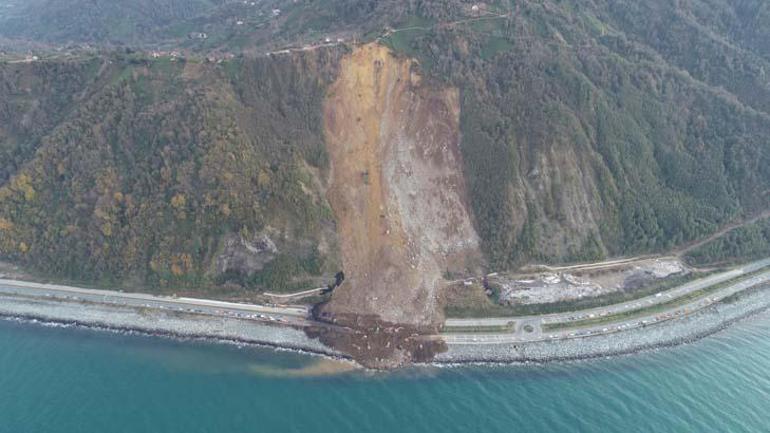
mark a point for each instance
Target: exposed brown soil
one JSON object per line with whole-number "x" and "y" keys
{"x": 398, "y": 195}
{"x": 378, "y": 344}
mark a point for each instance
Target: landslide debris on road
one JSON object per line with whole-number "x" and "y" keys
{"x": 374, "y": 343}
{"x": 396, "y": 189}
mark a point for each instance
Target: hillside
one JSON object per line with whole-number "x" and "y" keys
{"x": 448, "y": 140}
{"x": 175, "y": 173}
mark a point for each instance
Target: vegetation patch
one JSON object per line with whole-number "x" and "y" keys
{"x": 491, "y": 329}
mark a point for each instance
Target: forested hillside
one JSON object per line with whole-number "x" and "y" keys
{"x": 587, "y": 134}
{"x": 745, "y": 243}
{"x": 175, "y": 173}
{"x": 587, "y": 129}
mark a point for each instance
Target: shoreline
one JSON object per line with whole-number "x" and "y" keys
{"x": 142, "y": 332}
{"x": 186, "y": 327}
{"x": 162, "y": 324}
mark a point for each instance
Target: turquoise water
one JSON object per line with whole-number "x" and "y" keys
{"x": 73, "y": 380}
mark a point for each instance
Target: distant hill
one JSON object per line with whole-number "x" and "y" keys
{"x": 200, "y": 25}
{"x": 96, "y": 21}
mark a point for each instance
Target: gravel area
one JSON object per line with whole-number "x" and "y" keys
{"x": 162, "y": 323}
{"x": 670, "y": 333}
{"x": 550, "y": 287}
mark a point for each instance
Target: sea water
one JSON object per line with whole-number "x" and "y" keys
{"x": 74, "y": 380}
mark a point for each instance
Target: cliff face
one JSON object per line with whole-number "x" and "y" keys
{"x": 397, "y": 188}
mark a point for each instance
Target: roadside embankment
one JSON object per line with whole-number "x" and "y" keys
{"x": 158, "y": 322}
{"x": 670, "y": 333}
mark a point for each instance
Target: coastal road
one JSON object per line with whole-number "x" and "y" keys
{"x": 526, "y": 328}
{"x": 290, "y": 315}
{"x": 530, "y": 328}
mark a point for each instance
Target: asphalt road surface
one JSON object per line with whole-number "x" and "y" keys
{"x": 290, "y": 315}
{"x": 530, "y": 328}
